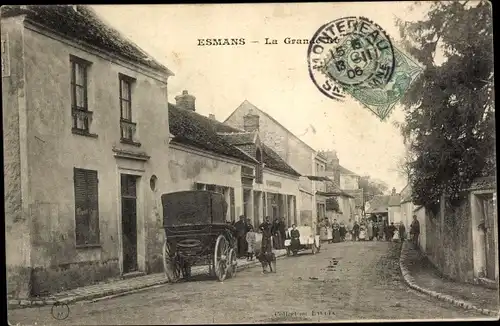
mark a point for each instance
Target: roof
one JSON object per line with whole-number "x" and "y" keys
{"x": 83, "y": 25}
{"x": 246, "y": 103}
{"x": 333, "y": 188}
{"x": 395, "y": 200}
{"x": 191, "y": 128}
{"x": 358, "y": 196}
{"x": 379, "y": 204}
{"x": 239, "y": 138}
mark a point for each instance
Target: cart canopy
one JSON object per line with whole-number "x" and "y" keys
{"x": 193, "y": 208}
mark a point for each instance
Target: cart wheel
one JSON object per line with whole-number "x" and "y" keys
{"x": 221, "y": 258}
{"x": 233, "y": 263}
{"x": 170, "y": 266}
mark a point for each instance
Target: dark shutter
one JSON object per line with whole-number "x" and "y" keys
{"x": 93, "y": 204}
{"x": 86, "y": 207}
{"x": 233, "y": 206}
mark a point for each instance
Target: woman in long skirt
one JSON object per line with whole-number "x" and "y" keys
{"x": 336, "y": 231}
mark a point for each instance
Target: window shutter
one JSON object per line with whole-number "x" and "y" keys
{"x": 93, "y": 204}
{"x": 81, "y": 207}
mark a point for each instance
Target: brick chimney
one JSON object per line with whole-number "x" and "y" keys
{"x": 211, "y": 116}
{"x": 251, "y": 122}
{"x": 185, "y": 101}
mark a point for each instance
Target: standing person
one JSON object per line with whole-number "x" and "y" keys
{"x": 323, "y": 230}
{"x": 295, "y": 240}
{"x": 402, "y": 231}
{"x": 342, "y": 231}
{"x": 375, "y": 231}
{"x": 381, "y": 231}
{"x": 275, "y": 233}
{"x": 370, "y": 230}
{"x": 350, "y": 229}
{"x": 282, "y": 232}
{"x": 415, "y": 231}
{"x": 266, "y": 255}
{"x": 390, "y": 231}
{"x": 355, "y": 231}
{"x": 336, "y": 231}
{"x": 241, "y": 230}
{"x": 251, "y": 241}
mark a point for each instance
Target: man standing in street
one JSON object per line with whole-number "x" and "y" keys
{"x": 355, "y": 231}
{"x": 282, "y": 232}
{"x": 241, "y": 230}
{"x": 415, "y": 231}
{"x": 350, "y": 230}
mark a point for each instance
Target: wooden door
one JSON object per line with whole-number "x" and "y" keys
{"x": 129, "y": 222}
{"x": 490, "y": 247}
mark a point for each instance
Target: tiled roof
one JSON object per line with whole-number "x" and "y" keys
{"x": 85, "y": 26}
{"x": 379, "y": 204}
{"x": 191, "y": 128}
{"x": 333, "y": 188}
{"x": 395, "y": 200}
{"x": 239, "y": 138}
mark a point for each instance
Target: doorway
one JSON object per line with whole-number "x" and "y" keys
{"x": 488, "y": 212}
{"x": 129, "y": 222}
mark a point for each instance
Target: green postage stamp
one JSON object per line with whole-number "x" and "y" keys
{"x": 355, "y": 56}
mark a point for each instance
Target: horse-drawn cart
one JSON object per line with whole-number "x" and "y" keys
{"x": 196, "y": 234}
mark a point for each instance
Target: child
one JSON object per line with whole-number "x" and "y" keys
{"x": 251, "y": 242}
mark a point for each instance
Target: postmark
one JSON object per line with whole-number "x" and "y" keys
{"x": 355, "y": 57}
{"x": 350, "y": 51}
{"x": 60, "y": 311}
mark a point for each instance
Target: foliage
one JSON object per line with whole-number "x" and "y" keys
{"x": 372, "y": 187}
{"x": 332, "y": 205}
{"x": 449, "y": 111}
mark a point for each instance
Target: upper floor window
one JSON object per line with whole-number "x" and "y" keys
{"x": 82, "y": 117}
{"x": 127, "y": 125}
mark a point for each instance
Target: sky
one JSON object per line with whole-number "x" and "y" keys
{"x": 274, "y": 78}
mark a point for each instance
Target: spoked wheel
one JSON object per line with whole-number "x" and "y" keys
{"x": 232, "y": 263}
{"x": 221, "y": 258}
{"x": 170, "y": 266}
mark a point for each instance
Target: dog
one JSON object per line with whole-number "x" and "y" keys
{"x": 266, "y": 259}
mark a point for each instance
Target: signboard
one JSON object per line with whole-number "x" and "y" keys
{"x": 273, "y": 184}
{"x": 5, "y": 56}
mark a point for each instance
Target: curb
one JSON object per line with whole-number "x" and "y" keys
{"x": 410, "y": 281}
{"x": 109, "y": 294}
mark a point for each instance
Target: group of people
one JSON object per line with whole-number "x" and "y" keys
{"x": 366, "y": 230}
{"x": 273, "y": 234}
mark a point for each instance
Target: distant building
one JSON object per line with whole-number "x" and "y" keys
{"x": 394, "y": 207}
{"x": 291, "y": 149}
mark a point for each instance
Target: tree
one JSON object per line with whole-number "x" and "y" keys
{"x": 449, "y": 111}
{"x": 372, "y": 187}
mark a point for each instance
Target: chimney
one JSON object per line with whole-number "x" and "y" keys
{"x": 393, "y": 191}
{"x": 211, "y": 116}
{"x": 185, "y": 101}
{"x": 251, "y": 122}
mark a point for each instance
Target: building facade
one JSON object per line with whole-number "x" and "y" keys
{"x": 85, "y": 141}
{"x": 209, "y": 155}
{"x": 290, "y": 148}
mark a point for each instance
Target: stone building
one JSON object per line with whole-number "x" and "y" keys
{"x": 209, "y": 155}
{"x": 290, "y": 148}
{"x": 85, "y": 145}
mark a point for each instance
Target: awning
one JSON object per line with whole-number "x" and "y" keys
{"x": 316, "y": 178}
{"x": 332, "y": 194}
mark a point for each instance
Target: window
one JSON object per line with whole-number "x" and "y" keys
{"x": 86, "y": 207}
{"x": 127, "y": 126}
{"x": 79, "y": 95}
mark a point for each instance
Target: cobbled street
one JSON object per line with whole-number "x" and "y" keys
{"x": 351, "y": 280}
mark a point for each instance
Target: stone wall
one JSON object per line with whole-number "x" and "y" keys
{"x": 449, "y": 241}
